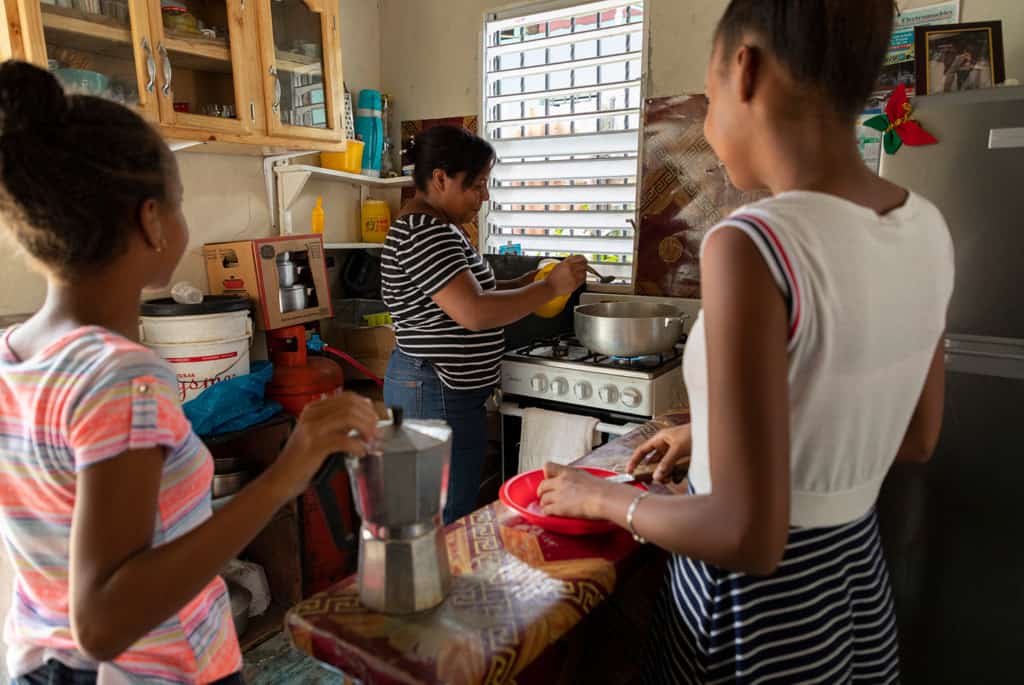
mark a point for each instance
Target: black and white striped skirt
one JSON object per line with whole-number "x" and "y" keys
{"x": 824, "y": 616}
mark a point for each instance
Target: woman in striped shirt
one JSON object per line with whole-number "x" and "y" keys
{"x": 104, "y": 488}
{"x": 815, "y": 363}
{"x": 448, "y": 308}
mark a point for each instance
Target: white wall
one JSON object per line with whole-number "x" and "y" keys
{"x": 431, "y": 48}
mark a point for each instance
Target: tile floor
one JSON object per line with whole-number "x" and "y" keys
{"x": 276, "y": 662}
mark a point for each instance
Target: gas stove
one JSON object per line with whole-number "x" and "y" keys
{"x": 561, "y": 371}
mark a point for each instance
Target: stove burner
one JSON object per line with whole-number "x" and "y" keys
{"x": 560, "y": 349}
{"x": 568, "y": 348}
{"x": 646, "y": 361}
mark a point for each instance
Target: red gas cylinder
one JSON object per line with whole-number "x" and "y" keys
{"x": 299, "y": 378}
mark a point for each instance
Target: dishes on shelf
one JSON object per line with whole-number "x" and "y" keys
{"x": 91, "y": 82}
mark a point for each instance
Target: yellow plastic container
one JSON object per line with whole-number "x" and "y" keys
{"x": 376, "y": 219}
{"x": 380, "y": 319}
{"x": 551, "y": 308}
{"x": 351, "y": 160}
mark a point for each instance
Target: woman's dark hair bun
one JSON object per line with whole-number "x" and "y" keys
{"x": 74, "y": 170}
{"x": 30, "y": 98}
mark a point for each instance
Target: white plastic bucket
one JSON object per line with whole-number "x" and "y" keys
{"x": 199, "y": 365}
{"x": 176, "y": 330}
{"x": 205, "y": 343}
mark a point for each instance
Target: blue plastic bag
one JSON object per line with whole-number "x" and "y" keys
{"x": 234, "y": 404}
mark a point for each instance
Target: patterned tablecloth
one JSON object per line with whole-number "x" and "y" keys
{"x": 516, "y": 589}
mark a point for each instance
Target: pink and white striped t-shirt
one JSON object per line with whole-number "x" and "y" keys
{"x": 88, "y": 397}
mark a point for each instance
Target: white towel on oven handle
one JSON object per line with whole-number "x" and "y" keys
{"x": 554, "y": 436}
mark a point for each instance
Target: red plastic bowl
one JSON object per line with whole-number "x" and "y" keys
{"x": 520, "y": 495}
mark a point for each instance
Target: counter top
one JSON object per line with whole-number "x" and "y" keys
{"x": 516, "y": 590}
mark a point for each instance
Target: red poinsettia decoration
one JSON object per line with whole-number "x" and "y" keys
{"x": 897, "y": 126}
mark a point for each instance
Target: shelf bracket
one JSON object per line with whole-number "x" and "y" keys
{"x": 289, "y": 187}
{"x": 270, "y": 180}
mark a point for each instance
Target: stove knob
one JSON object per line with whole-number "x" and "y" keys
{"x": 560, "y": 386}
{"x": 631, "y": 397}
{"x": 609, "y": 394}
{"x": 582, "y": 390}
{"x": 539, "y": 383}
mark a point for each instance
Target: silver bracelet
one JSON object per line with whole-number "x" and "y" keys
{"x": 629, "y": 517}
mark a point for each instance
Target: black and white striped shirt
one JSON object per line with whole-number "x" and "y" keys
{"x": 422, "y": 255}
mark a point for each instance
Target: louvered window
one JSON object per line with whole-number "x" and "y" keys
{"x": 562, "y": 108}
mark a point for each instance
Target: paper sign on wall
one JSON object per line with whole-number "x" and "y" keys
{"x": 899, "y": 61}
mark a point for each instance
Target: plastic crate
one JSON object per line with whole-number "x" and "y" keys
{"x": 351, "y": 312}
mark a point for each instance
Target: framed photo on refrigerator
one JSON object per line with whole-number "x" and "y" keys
{"x": 957, "y": 57}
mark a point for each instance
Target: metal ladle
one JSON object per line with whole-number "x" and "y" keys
{"x": 600, "y": 278}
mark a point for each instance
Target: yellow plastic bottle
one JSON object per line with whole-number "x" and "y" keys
{"x": 317, "y": 220}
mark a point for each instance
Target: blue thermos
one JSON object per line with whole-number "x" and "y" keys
{"x": 370, "y": 128}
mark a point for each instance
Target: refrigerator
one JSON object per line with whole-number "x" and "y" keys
{"x": 953, "y": 529}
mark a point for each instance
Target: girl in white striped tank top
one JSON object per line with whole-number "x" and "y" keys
{"x": 815, "y": 363}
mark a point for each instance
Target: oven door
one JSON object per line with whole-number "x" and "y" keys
{"x": 610, "y": 425}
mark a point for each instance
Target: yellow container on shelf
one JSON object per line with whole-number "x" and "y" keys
{"x": 351, "y": 160}
{"x": 551, "y": 308}
{"x": 376, "y": 219}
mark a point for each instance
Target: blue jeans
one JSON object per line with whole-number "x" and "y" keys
{"x": 413, "y": 385}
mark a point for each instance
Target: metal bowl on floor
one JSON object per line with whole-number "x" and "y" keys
{"x": 229, "y": 483}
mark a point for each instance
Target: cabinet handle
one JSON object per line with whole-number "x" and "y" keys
{"x": 151, "y": 66}
{"x": 277, "y": 90}
{"x": 168, "y": 69}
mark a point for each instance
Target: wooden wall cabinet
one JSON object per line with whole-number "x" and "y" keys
{"x": 258, "y": 73}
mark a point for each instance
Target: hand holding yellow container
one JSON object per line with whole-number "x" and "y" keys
{"x": 575, "y": 271}
{"x": 551, "y": 308}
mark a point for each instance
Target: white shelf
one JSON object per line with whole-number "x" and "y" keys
{"x": 353, "y": 246}
{"x": 345, "y": 177}
{"x": 286, "y": 181}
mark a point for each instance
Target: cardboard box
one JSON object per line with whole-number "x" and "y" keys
{"x": 371, "y": 347}
{"x": 249, "y": 267}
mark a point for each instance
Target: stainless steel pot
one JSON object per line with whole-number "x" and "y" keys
{"x": 293, "y": 298}
{"x": 287, "y": 273}
{"x": 629, "y": 329}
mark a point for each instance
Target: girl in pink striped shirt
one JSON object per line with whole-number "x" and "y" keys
{"x": 104, "y": 488}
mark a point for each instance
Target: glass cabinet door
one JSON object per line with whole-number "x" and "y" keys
{"x": 302, "y": 65}
{"x": 100, "y": 47}
{"x": 200, "y": 46}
